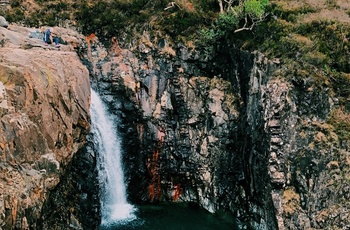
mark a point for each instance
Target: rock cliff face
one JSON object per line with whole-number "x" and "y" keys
{"x": 193, "y": 126}
{"x": 44, "y": 112}
{"x": 228, "y": 130}
{"x": 231, "y": 131}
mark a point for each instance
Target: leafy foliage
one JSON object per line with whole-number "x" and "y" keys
{"x": 255, "y": 8}
{"x": 242, "y": 16}
{"x": 227, "y": 22}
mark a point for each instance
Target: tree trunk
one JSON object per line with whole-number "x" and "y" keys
{"x": 221, "y": 7}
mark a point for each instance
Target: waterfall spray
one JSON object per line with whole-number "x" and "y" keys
{"x": 114, "y": 205}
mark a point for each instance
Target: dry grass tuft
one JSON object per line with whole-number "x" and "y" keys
{"x": 341, "y": 117}
{"x": 290, "y": 202}
{"x": 341, "y": 121}
{"x": 185, "y": 5}
{"x": 329, "y": 10}
{"x": 167, "y": 50}
{"x": 327, "y": 15}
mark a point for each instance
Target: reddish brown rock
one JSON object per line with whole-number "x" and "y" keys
{"x": 44, "y": 113}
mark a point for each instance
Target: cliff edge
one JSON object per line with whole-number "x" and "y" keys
{"x": 44, "y": 112}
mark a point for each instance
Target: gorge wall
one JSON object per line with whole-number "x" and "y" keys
{"x": 231, "y": 131}
{"x": 192, "y": 125}
{"x": 44, "y": 112}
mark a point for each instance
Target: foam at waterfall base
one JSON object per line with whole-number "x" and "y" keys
{"x": 119, "y": 214}
{"x": 123, "y": 212}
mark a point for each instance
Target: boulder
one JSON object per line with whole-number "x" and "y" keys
{"x": 3, "y": 22}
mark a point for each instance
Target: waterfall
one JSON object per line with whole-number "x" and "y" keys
{"x": 114, "y": 205}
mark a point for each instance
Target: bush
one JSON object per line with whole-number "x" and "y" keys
{"x": 255, "y": 8}
{"x": 341, "y": 121}
{"x": 330, "y": 38}
{"x": 236, "y": 18}
{"x": 15, "y": 3}
{"x": 227, "y": 22}
{"x": 16, "y": 15}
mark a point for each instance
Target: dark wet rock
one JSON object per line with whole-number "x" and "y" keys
{"x": 228, "y": 130}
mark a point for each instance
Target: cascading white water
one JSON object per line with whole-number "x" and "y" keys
{"x": 114, "y": 205}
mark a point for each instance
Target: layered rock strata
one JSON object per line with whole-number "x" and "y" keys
{"x": 229, "y": 130}
{"x": 192, "y": 126}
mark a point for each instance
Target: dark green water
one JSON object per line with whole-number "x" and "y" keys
{"x": 173, "y": 217}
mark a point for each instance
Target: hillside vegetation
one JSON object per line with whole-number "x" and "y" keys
{"x": 312, "y": 39}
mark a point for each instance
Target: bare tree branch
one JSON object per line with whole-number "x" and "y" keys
{"x": 172, "y": 5}
{"x": 254, "y": 22}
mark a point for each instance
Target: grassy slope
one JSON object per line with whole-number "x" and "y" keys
{"x": 313, "y": 37}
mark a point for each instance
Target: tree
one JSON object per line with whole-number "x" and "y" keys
{"x": 252, "y": 11}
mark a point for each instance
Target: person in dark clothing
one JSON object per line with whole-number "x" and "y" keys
{"x": 49, "y": 39}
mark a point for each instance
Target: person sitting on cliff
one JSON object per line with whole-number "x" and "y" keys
{"x": 49, "y": 39}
